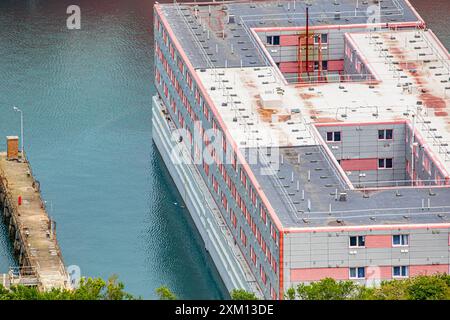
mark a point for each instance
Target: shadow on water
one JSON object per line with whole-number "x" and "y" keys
{"x": 184, "y": 237}
{"x": 6, "y": 248}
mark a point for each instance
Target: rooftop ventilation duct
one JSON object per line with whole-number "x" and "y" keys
{"x": 343, "y": 196}
{"x": 271, "y": 101}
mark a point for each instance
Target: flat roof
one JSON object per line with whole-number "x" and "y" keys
{"x": 205, "y": 34}
{"x": 413, "y": 79}
{"x": 316, "y": 204}
{"x": 411, "y": 67}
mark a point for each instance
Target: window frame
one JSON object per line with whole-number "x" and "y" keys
{"x": 334, "y": 133}
{"x": 356, "y": 269}
{"x": 385, "y": 134}
{"x": 401, "y": 239}
{"x": 401, "y": 269}
{"x": 358, "y": 243}
{"x": 278, "y": 40}
{"x": 270, "y": 40}
{"x": 384, "y": 165}
{"x": 317, "y": 38}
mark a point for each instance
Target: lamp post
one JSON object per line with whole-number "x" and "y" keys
{"x": 21, "y": 129}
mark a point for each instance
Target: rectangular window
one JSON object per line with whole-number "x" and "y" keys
{"x": 400, "y": 240}
{"x": 316, "y": 65}
{"x": 263, "y": 215}
{"x": 273, "y": 233}
{"x": 253, "y": 255}
{"x": 234, "y": 162}
{"x": 323, "y": 38}
{"x": 273, "y": 294}
{"x": 334, "y": 136}
{"x": 357, "y": 241}
{"x": 273, "y": 40}
{"x": 243, "y": 178}
{"x": 316, "y": 39}
{"x": 387, "y": 134}
{"x": 400, "y": 271}
{"x": 263, "y": 274}
{"x": 276, "y": 40}
{"x": 243, "y": 238}
{"x": 234, "y": 220}
{"x": 385, "y": 163}
{"x": 357, "y": 273}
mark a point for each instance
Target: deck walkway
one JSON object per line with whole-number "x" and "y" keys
{"x": 30, "y": 227}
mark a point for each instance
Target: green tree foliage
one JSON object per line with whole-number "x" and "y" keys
{"x": 89, "y": 289}
{"x": 434, "y": 287}
{"x": 164, "y": 293}
{"x": 290, "y": 294}
{"x": 429, "y": 288}
{"x": 329, "y": 289}
{"x": 240, "y": 294}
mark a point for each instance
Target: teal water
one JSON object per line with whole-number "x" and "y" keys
{"x": 86, "y": 98}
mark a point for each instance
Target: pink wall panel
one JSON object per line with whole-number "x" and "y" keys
{"x": 288, "y": 40}
{"x": 427, "y": 270}
{"x": 336, "y": 65}
{"x": 378, "y": 241}
{"x": 359, "y": 164}
{"x": 381, "y": 272}
{"x": 315, "y": 274}
{"x": 292, "y": 66}
{"x": 289, "y": 67}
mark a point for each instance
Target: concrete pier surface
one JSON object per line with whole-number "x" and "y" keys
{"x": 30, "y": 228}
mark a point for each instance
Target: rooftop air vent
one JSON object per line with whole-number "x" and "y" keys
{"x": 343, "y": 196}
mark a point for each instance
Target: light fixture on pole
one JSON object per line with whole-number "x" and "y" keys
{"x": 21, "y": 129}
